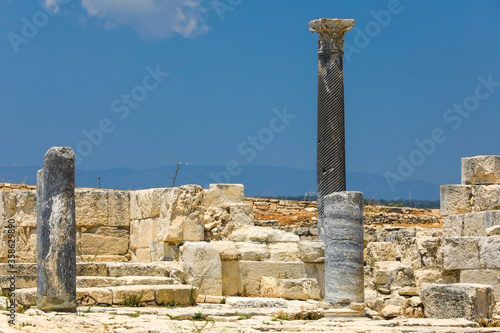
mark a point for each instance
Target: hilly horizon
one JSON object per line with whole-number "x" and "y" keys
{"x": 259, "y": 181}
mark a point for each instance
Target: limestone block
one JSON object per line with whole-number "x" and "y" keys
{"x": 254, "y": 302}
{"x": 456, "y": 199}
{"x": 283, "y": 252}
{"x": 493, "y": 231}
{"x": 118, "y": 208}
{"x": 26, "y": 297}
{"x": 141, "y": 293}
{"x": 414, "y": 301}
{"x": 434, "y": 276}
{"x": 145, "y": 204}
{"x": 223, "y": 194}
{"x": 178, "y": 294}
{"x": 237, "y": 274}
{"x": 460, "y": 300}
{"x": 181, "y": 214}
{"x": 481, "y": 170}
{"x": 484, "y": 276}
{"x": 105, "y": 241}
{"x": 141, "y": 255}
{"x": 298, "y": 289}
{"x": 489, "y": 252}
{"x": 399, "y": 274}
{"x": 312, "y": 251}
{"x": 91, "y": 296}
{"x": 202, "y": 264}
{"x": 228, "y": 250}
{"x": 257, "y": 252}
{"x": 241, "y": 213}
{"x": 262, "y": 235}
{"x": 20, "y": 206}
{"x": 391, "y": 311}
{"x": 231, "y": 278}
{"x": 409, "y": 291}
{"x": 91, "y": 207}
{"x": 91, "y": 269}
{"x": 142, "y": 233}
{"x": 269, "y": 287}
{"x": 460, "y": 253}
{"x": 380, "y": 251}
{"x": 486, "y": 197}
{"x": 428, "y": 248}
{"x": 453, "y": 225}
{"x": 136, "y": 269}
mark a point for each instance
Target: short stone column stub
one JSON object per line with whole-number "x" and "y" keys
{"x": 56, "y": 232}
{"x": 343, "y": 231}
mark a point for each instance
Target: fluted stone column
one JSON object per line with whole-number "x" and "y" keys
{"x": 331, "y": 138}
{"x": 56, "y": 232}
{"x": 344, "y": 272}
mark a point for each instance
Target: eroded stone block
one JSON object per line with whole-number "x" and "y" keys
{"x": 460, "y": 253}
{"x": 481, "y": 170}
{"x": 456, "y": 199}
{"x": 202, "y": 264}
{"x": 460, "y": 300}
{"x": 312, "y": 251}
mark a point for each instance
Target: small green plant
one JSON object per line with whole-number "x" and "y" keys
{"x": 282, "y": 315}
{"x": 199, "y": 329}
{"x": 488, "y": 322}
{"x": 21, "y": 309}
{"x": 198, "y": 316}
{"x": 192, "y": 300}
{"x": 371, "y": 261}
{"x": 243, "y": 317}
{"x": 244, "y": 293}
{"x": 79, "y": 251}
{"x": 223, "y": 301}
{"x": 376, "y": 286}
{"x": 133, "y": 300}
{"x": 171, "y": 305}
{"x": 23, "y": 324}
{"x": 88, "y": 310}
{"x": 135, "y": 315}
{"x": 286, "y": 275}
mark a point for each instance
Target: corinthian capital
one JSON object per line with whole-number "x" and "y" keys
{"x": 331, "y": 33}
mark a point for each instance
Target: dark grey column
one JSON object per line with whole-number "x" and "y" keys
{"x": 56, "y": 232}
{"x": 343, "y": 226}
{"x": 331, "y": 138}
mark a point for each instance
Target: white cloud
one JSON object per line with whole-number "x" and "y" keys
{"x": 152, "y": 19}
{"x": 53, "y": 5}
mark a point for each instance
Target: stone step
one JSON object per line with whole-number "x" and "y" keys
{"x": 92, "y": 281}
{"x": 113, "y": 269}
{"x": 130, "y": 295}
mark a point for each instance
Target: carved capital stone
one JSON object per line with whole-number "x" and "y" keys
{"x": 331, "y": 33}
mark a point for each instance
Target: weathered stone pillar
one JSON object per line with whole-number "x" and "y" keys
{"x": 331, "y": 139}
{"x": 56, "y": 232}
{"x": 344, "y": 272}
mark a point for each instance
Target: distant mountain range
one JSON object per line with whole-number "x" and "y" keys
{"x": 258, "y": 180}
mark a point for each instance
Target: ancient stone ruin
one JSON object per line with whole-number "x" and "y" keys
{"x": 182, "y": 255}
{"x": 188, "y": 245}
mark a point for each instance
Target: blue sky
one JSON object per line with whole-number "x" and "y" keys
{"x": 232, "y": 66}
